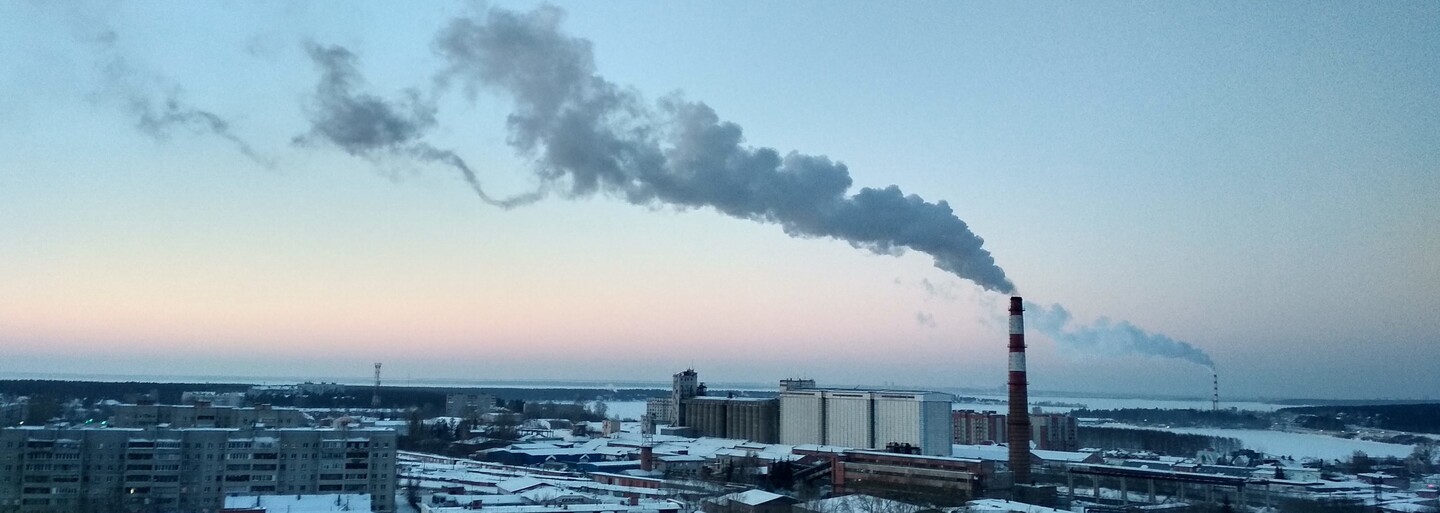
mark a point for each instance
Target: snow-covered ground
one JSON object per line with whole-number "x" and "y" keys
{"x": 1296, "y": 445}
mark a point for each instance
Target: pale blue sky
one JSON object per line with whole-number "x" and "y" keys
{"x": 1259, "y": 179}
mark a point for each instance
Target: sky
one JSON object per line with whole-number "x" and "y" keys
{"x": 182, "y": 192}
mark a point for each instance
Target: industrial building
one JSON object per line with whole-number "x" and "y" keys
{"x": 63, "y": 469}
{"x": 688, "y": 411}
{"x": 939, "y": 480}
{"x": 745, "y": 418}
{"x": 671, "y": 410}
{"x": 867, "y": 419}
{"x": 684, "y": 385}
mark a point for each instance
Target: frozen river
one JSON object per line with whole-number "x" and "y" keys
{"x": 1295, "y": 445}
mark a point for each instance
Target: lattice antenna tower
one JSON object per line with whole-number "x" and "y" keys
{"x": 375, "y": 398}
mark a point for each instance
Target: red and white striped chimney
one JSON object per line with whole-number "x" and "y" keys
{"x": 1018, "y": 423}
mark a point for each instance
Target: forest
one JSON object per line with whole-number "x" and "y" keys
{"x": 1159, "y": 442}
{"x": 1233, "y": 419}
{"x": 1416, "y": 417}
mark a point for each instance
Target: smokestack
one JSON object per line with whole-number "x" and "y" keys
{"x": 647, "y": 457}
{"x": 1215, "y": 399}
{"x": 1018, "y": 423}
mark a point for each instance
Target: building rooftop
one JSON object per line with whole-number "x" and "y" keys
{"x": 301, "y": 503}
{"x": 753, "y": 497}
{"x": 860, "y": 502}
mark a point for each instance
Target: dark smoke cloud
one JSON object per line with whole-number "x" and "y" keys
{"x": 588, "y": 135}
{"x": 1104, "y": 336}
{"x": 368, "y": 126}
{"x": 158, "y": 107}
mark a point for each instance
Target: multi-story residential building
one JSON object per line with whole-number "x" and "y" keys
{"x": 1048, "y": 431}
{"x": 977, "y": 427}
{"x": 1054, "y": 431}
{"x": 205, "y": 415}
{"x": 235, "y": 399}
{"x": 468, "y": 405}
{"x": 658, "y": 410}
{"x": 867, "y": 419}
{"x": 70, "y": 469}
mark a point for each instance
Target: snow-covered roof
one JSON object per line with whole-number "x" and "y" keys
{"x": 981, "y": 452}
{"x": 543, "y": 494}
{"x": 859, "y": 503}
{"x": 518, "y": 484}
{"x": 302, "y": 503}
{"x": 753, "y": 497}
{"x": 1006, "y": 506}
{"x": 1066, "y": 456}
{"x": 679, "y": 458}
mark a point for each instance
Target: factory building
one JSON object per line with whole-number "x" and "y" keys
{"x": 671, "y": 410}
{"x": 690, "y": 412}
{"x": 745, "y": 418}
{"x": 867, "y": 419}
{"x": 943, "y": 481}
{"x": 684, "y": 385}
{"x": 48, "y": 469}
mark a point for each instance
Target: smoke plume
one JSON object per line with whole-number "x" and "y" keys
{"x": 1104, "y": 336}
{"x": 587, "y": 135}
{"x": 368, "y": 126}
{"x": 158, "y": 107}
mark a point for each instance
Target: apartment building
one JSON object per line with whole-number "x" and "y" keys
{"x": 206, "y": 415}
{"x": 1048, "y": 431}
{"x": 973, "y": 427}
{"x": 468, "y": 405}
{"x": 79, "y": 469}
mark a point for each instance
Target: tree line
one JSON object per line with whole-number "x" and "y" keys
{"x": 1233, "y": 419}
{"x": 1159, "y": 442}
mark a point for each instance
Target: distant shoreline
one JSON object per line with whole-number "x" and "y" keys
{"x": 540, "y": 384}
